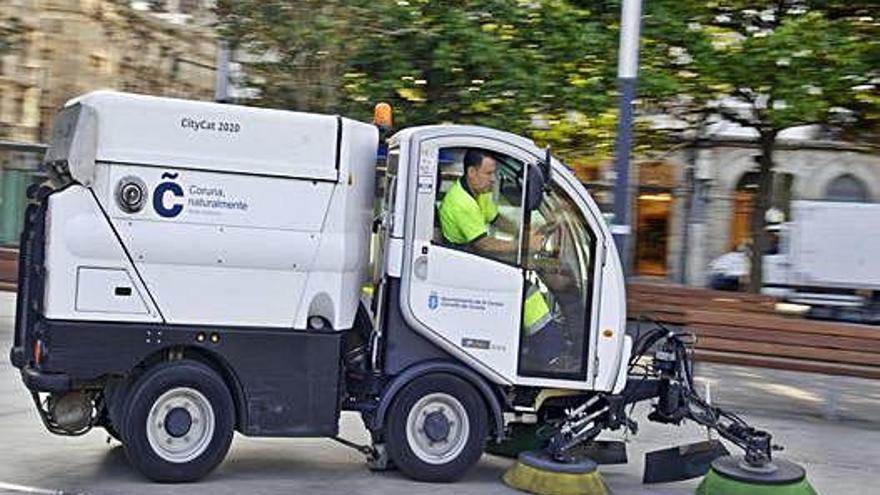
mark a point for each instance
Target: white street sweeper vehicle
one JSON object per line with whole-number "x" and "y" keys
{"x": 196, "y": 269}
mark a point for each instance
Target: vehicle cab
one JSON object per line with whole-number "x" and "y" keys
{"x": 470, "y": 304}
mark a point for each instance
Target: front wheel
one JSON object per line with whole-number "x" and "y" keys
{"x": 436, "y": 428}
{"x": 179, "y": 419}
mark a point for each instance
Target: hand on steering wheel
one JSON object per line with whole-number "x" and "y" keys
{"x": 541, "y": 241}
{"x": 548, "y": 229}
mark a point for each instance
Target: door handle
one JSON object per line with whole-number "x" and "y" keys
{"x": 420, "y": 267}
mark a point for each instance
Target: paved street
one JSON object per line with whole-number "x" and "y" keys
{"x": 840, "y": 454}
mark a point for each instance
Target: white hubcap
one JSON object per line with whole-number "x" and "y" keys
{"x": 180, "y": 425}
{"x": 437, "y": 428}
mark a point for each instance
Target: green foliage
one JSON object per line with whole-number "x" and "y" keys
{"x": 546, "y": 68}
{"x": 770, "y": 64}
{"x": 537, "y": 67}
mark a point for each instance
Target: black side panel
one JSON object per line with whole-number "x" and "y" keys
{"x": 30, "y": 280}
{"x": 289, "y": 379}
{"x": 403, "y": 346}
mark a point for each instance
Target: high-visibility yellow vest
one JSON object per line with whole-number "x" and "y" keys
{"x": 464, "y": 218}
{"x": 536, "y": 311}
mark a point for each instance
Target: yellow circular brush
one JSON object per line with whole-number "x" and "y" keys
{"x": 536, "y": 472}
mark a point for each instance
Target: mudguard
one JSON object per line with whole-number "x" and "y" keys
{"x": 489, "y": 395}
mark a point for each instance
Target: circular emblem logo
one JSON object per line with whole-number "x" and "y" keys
{"x": 131, "y": 194}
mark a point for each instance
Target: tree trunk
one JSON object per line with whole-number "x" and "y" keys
{"x": 763, "y": 201}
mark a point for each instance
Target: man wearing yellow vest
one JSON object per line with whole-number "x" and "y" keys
{"x": 466, "y": 215}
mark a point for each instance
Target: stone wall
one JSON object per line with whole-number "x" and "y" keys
{"x": 75, "y": 46}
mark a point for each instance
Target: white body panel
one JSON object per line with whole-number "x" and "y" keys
{"x": 107, "y": 290}
{"x": 612, "y": 352}
{"x": 85, "y": 264}
{"x": 834, "y": 245}
{"x": 479, "y": 300}
{"x": 245, "y": 266}
{"x": 208, "y": 136}
{"x": 256, "y": 231}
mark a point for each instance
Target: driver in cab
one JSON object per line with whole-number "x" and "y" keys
{"x": 467, "y": 215}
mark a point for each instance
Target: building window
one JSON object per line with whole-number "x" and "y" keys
{"x": 847, "y": 188}
{"x": 653, "y": 215}
{"x": 744, "y": 200}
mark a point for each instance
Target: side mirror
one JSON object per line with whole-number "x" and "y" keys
{"x": 546, "y": 168}
{"x": 538, "y": 182}
{"x": 535, "y": 188}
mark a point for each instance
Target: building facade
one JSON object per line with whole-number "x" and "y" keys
{"x": 70, "y": 47}
{"x": 695, "y": 205}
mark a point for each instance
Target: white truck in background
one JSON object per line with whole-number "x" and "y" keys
{"x": 824, "y": 261}
{"x": 829, "y": 260}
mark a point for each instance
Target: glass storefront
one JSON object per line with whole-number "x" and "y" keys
{"x": 18, "y": 170}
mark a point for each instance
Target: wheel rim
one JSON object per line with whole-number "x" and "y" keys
{"x": 437, "y": 428}
{"x": 180, "y": 425}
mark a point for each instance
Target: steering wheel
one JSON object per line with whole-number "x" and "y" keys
{"x": 551, "y": 240}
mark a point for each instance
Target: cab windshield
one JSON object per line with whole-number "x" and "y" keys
{"x": 561, "y": 265}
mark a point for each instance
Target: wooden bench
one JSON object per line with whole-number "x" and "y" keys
{"x": 778, "y": 342}
{"x": 744, "y": 329}
{"x": 8, "y": 269}
{"x": 670, "y": 303}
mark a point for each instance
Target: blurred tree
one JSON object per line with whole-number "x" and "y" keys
{"x": 158, "y": 5}
{"x": 766, "y": 65}
{"x": 293, "y": 52}
{"x": 546, "y": 68}
{"x": 534, "y": 67}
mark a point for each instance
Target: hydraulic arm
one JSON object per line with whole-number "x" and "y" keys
{"x": 667, "y": 376}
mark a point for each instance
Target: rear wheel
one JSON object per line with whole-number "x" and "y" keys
{"x": 436, "y": 428}
{"x": 178, "y": 423}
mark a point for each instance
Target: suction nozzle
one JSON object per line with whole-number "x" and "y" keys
{"x": 732, "y": 475}
{"x": 537, "y": 472}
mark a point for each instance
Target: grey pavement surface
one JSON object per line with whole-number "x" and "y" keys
{"x": 840, "y": 454}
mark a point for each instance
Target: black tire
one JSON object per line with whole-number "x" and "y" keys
{"x": 114, "y": 400}
{"x": 199, "y": 394}
{"x": 111, "y": 430}
{"x": 430, "y": 394}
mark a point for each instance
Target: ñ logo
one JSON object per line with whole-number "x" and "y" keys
{"x": 433, "y": 300}
{"x": 164, "y": 207}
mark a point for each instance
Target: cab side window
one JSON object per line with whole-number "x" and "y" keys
{"x": 463, "y": 216}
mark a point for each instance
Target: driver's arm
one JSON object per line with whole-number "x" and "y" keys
{"x": 506, "y": 225}
{"x": 492, "y": 245}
